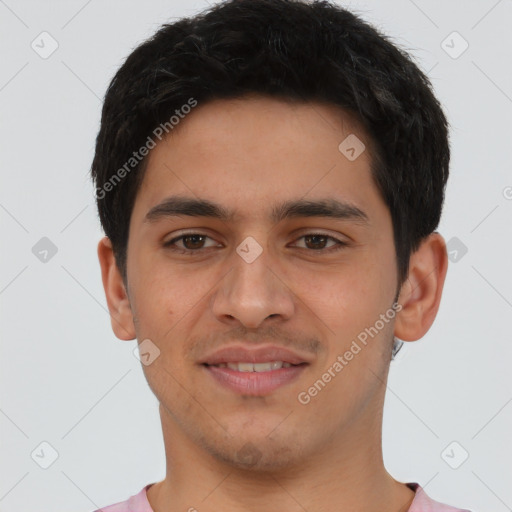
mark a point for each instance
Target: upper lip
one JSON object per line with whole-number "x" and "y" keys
{"x": 240, "y": 354}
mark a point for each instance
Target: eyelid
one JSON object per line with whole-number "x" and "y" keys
{"x": 320, "y": 232}
{"x": 339, "y": 242}
{"x": 177, "y": 236}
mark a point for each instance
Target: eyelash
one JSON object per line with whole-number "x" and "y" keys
{"x": 340, "y": 244}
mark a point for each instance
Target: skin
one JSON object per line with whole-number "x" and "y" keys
{"x": 248, "y": 154}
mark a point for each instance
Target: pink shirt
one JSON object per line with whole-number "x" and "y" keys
{"x": 421, "y": 503}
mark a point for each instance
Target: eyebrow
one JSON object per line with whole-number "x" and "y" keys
{"x": 179, "y": 206}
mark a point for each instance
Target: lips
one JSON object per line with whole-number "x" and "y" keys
{"x": 268, "y": 354}
{"x": 252, "y": 371}
{"x": 254, "y": 383}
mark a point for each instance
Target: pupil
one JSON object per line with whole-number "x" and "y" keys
{"x": 315, "y": 239}
{"x": 188, "y": 237}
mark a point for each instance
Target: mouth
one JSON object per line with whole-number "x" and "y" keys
{"x": 255, "y": 367}
{"x": 254, "y": 379}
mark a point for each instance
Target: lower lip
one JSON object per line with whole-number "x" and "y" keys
{"x": 254, "y": 383}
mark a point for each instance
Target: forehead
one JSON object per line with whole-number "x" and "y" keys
{"x": 242, "y": 152}
{"x": 287, "y": 125}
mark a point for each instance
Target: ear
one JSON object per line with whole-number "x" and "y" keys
{"x": 420, "y": 294}
{"x": 121, "y": 316}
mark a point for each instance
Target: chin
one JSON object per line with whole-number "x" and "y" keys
{"x": 257, "y": 455}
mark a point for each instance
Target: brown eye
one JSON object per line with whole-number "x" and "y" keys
{"x": 193, "y": 241}
{"x": 317, "y": 241}
{"x": 189, "y": 243}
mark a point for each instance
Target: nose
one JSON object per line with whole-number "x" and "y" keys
{"x": 252, "y": 292}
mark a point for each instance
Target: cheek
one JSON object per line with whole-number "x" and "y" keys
{"x": 169, "y": 304}
{"x": 344, "y": 299}
{"x": 162, "y": 288}
{"x": 348, "y": 303}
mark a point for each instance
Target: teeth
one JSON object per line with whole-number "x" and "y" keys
{"x": 255, "y": 367}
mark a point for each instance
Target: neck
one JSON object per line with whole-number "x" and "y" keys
{"x": 346, "y": 473}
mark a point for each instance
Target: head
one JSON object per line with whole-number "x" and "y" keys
{"x": 279, "y": 120}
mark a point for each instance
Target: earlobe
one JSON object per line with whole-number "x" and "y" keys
{"x": 118, "y": 302}
{"x": 421, "y": 292}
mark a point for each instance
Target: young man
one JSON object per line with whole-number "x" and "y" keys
{"x": 269, "y": 175}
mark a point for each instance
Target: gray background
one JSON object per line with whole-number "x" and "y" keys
{"x": 68, "y": 381}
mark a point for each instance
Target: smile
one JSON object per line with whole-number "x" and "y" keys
{"x": 255, "y": 367}
{"x": 254, "y": 379}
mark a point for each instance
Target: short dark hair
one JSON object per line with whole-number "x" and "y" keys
{"x": 291, "y": 50}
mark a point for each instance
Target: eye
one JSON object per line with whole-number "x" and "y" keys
{"x": 192, "y": 242}
{"x": 318, "y": 241}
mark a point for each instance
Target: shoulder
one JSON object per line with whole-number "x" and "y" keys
{"x": 136, "y": 503}
{"x": 424, "y": 503}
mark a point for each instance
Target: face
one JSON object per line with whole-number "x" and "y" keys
{"x": 312, "y": 280}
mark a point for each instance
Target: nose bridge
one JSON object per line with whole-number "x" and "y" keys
{"x": 251, "y": 272}
{"x": 251, "y": 290}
